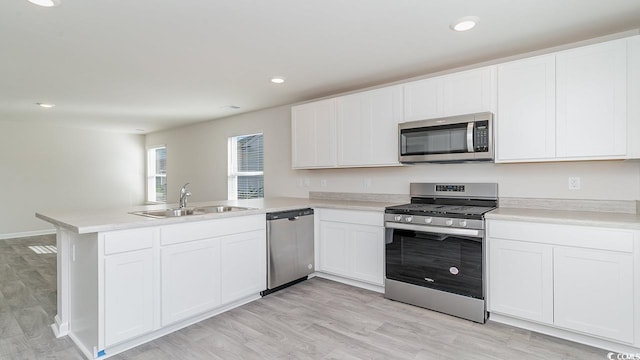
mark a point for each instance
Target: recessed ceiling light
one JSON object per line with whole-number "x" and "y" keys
{"x": 140, "y": 130}
{"x": 45, "y": 3}
{"x": 464, "y": 23}
{"x": 45, "y": 105}
{"x": 230, "y": 107}
{"x": 277, "y": 79}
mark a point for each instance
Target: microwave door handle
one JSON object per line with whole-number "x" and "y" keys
{"x": 470, "y": 137}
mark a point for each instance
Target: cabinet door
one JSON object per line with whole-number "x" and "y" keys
{"x": 526, "y": 126}
{"x": 468, "y": 91}
{"x": 633, "y": 97}
{"x": 594, "y": 292}
{"x": 367, "y": 253}
{"x": 190, "y": 279}
{"x": 314, "y": 134}
{"x": 243, "y": 265}
{"x": 368, "y": 127}
{"x": 455, "y": 94}
{"x": 521, "y": 279}
{"x": 591, "y": 101}
{"x": 423, "y": 99}
{"x": 334, "y": 248}
{"x": 128, "y": 289}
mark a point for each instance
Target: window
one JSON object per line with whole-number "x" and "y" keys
{"x": 246, "y": 176}
{"x": 157, "y": 174}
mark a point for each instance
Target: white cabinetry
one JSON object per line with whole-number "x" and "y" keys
{"x": 521, "y": 279}
{"x": 574, "y": 278}
{"x": 190, "y": 279}
{"x": 368, "y": 127}
{"x": 211, "y": 263}
{"x": 593, "y": 292}
{"x": 243, "y": 264}
{"x": 128, "y": 285}
{"x": 351, "y": 245}
{"x": 591, "y": 100}
{"x": 454, "y": 94}
{"x": 569, "y": 105}
{"x": 526, "y": 128}
{"x": 313, "y": 128}
{"x": 352, "y": 130}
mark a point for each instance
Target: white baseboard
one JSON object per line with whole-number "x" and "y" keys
{"x": 352, "y": 282}
{"x": 27, "y": 234}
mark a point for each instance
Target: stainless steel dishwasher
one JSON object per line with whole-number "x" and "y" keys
{"x": 290, "y": 254}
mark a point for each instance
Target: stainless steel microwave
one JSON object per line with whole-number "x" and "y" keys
{"x": 450, "y": 139}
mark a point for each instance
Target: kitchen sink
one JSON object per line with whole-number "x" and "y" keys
{"x": 220, "y": 208}
{"x": 159, "y": 214}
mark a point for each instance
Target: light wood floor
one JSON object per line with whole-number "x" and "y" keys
{"x": 316, "y": 319}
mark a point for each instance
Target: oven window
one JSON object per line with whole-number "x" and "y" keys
{"x": 435, "y": 140}
{"x": 443, "y": 262}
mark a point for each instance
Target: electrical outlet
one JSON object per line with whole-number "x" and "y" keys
{"x": 574, "y": 183}
{"x": 306, "y": 182}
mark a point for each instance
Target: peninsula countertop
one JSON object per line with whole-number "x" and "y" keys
{"x": 92, "y": 221}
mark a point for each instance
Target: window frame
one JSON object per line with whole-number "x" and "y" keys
{"x": 232, "y": 166}
{"x": 152, "y": 174}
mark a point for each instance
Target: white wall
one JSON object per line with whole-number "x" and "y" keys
{"x": 198, "y": 154}
{"x": 44, "y": 167}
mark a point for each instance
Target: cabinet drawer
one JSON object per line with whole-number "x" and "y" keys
{"x": 352, "y": 217}
{"x": 564, "y": 235}
{"x": 128, "y": 240}
{"x": 173, "y": 234}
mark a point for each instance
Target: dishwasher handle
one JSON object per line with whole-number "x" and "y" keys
{"x": 290, "y": 215}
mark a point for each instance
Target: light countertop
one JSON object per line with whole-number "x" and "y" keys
{"x": 584, "y": 218}
{"x": 92, "y": 221}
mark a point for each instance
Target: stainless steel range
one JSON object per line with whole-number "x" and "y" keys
{"x": 435, "y": 248}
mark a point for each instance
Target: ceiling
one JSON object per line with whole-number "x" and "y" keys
{"x": 146, "y": 65}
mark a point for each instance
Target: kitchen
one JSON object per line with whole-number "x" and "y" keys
{"x": 60, "y": 153}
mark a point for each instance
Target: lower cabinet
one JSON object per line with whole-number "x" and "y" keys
{"x": 574, "y": 278}
{"x": 190, "y": 276}
{"x": 593, "y": 292}
{"x": 351, "y": 244}
{"x": 521, "y": 279}
{"x": 242, "y": 265}
{"x": 128, "y": 289}
{"x": 157, "y": 277}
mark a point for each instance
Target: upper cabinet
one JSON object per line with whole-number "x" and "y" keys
{"x": 368, "y": 127}
{"x": 577, "y": 104}
{"x": 354, "y": 130}
{"x": 570, "y": 105}
{"x": 526, "y": 124}
{"x": 313, "y": 130}
{"x": 453, "y": 94}
{"x": 591, "y": 112}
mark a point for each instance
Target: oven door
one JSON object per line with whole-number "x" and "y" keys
{"x": 446, "y": 259}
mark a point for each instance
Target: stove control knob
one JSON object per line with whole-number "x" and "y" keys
{"x": 398, "y": 217}
{"x": 408, "y": 219}
{"x": 449, "y": 222}
{"x": 428, "y": 220}
{"x": 463, "y": 223}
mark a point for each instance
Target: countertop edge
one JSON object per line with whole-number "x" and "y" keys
{"x": 121, "y": 219}
{"x": 564, "y": 217}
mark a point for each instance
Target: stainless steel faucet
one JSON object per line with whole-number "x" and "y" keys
{"x": 184, "y": 193}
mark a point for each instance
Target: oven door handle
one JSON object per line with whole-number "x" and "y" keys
{"x": 434, "y": 229}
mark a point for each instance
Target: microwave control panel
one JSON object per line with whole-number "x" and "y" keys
{"x": 481, "y": 136}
